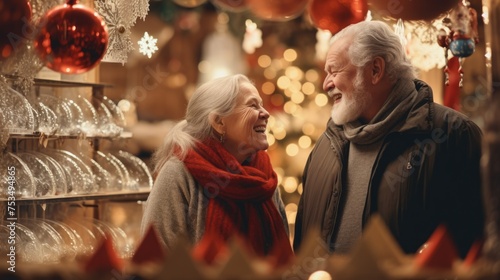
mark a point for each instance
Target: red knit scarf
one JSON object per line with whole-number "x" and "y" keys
{"x": 240, "y": 198}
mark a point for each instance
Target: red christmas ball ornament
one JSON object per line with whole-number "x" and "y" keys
{"x": 277, "y": 10}
{"x": 72, "y": 38}
{"x": 412, "y": 9}
{"x": 15, "y": 26}
{"x": 234, "y": 6}
{"x": 333, "y": 15}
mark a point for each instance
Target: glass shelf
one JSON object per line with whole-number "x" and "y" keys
{"x": 37, "y": 135}
{"x": 141, "y": 194}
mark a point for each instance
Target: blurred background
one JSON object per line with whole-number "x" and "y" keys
{"x": 283, "y": 55}
{"x": 159, "y": 51}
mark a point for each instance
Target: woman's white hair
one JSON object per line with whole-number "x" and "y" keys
{"x": 215, "y": 98}
{"x": 375, "y": 38}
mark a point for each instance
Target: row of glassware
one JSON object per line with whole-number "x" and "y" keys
{"x": 62, "y": 116}
{"x": 52, "y": 172}
{"x": 49, "y": 241}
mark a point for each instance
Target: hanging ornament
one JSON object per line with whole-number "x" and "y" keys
{"x": 412, "y": 9}
{"x": 459, "y": 35}
{"x": 277, "y": 10}
{"x": 120, "y": 16}
{"x": 221, "y": 53}
{"x": 323, "y": 38}
{"x": 189, "y": 3}
{"x": 72, "y": 38}
{"x": 333, "y": 15}
{"x": 419, "y": 39}
{"x": 15, "y": 17}
{"x": 253, "y": 37}
{"x": 235, "y": 6}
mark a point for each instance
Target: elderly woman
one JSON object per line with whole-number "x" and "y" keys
{"x": 213, "y": 175}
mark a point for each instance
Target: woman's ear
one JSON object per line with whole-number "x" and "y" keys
{"x": 217, "y": 123}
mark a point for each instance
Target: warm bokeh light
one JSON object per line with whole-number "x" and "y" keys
{"x": 291, "y": 207}
{"x": 295, "y": 85}
{"x": 264, "y": 61}
{"x": 271, "y": 122}
{"x": 290, "y": 184}
{"x": 204, "y": 66}
{"x": 176, "y": 80}
{"x": 321, "y": 100}
{"x": 308, "y": 129}
{"x": 308, "y": 88}
{"x": 291, "y": 217}
{"x": 290, "y": 55}
{"x": 305, "y": 141}
{"x": 268, "y": 88}
{"x": 279, "y": 132}
{"x": 270, "y": 73}
{"x": 320, "y": 275}
{"x": 124, "y": 105}
{"x": 283, "y": 82}
{"x": 298, "y": 112}
{"x": 312, "y": 75}
{"x": 297, "y": 97}
{"x": 278, "y": 64}
{"x": 300, "y": 188}
{"x": 279, "y": 171}
{"x": 294, "y": 73}
{"x": 290, "y": 107}
{"x": 270, "y": 139}
{"x": 292, "y": 149}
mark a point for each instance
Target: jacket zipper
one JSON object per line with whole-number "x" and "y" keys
{"x": 336, "y": 146}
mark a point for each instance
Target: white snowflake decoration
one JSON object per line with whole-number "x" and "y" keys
{"x": 141, "y": 8}
{"x": 147, "y": 45}
{"x": 120, "y": 16}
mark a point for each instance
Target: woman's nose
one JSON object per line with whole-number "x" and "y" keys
{"x": 264, "y": 113}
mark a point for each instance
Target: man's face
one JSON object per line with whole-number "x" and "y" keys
{"x": 346, "y": 84}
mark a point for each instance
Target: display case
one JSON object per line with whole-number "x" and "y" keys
{"x": 67, "y": 181}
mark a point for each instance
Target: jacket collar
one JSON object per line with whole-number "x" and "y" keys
{"x": 418, "y": 120}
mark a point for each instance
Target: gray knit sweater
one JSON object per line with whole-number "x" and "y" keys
{"x": 176, "y": 205}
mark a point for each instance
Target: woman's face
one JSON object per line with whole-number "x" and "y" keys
{"x": 245, "y": 127}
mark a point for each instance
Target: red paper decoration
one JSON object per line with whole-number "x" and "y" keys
{"x": 15, "y": 17}
{"x": 235, "y": 6}
{"x": 412, "y": 9}
{"x": 104, "y": 258}
{"x": 474, "y": 253}
{"x": 333, "y": 15}
{"x": 150, "y": 249}
{"x": 72, "y": 38}
{"x": 440, "y": 252}
{"x": 210, "y": 249}
{"x": 277, "y": 10}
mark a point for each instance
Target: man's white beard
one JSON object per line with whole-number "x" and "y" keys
{"x": 350, "y": 108}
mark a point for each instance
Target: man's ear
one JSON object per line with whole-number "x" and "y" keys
{"x": 217, "y": 123}
{"x": 377, "y": 69}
